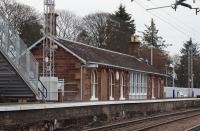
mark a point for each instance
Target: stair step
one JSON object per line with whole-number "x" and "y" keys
{"x": 2, "y": 57}
{"x": 11, "y": 90}
{"x": 11, "y": 78}
{"x": 2, "y": 61}
{"x": 14, "y": 89}
{"x": 7, "y": 78}
{"x": 3, "y": 64}
{"x": 3, "y": 69}
{"x": 13, "y": 86}
{"x": 11, "y": 82}
{"x": 16, "y": 92}
{"x": 7, "y": 74}
{"x": 17, "y": 95}
{"x": 7, "y": 90}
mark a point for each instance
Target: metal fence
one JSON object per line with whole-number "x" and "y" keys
{"x": 174, "y": 92}
{"x": 16, "y": 52}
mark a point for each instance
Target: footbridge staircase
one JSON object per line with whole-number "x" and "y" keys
{"x": 19, "y": 77}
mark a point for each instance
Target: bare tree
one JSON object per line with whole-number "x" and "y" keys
{"x": 23, "y": 18}
{"x": 94, "y": 27}
{"x": 16, "y": 13}
{"x": 68, "y": 25}
{"x": 7, "y": 7}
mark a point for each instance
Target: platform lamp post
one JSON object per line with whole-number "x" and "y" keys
{"x": 167, "y": 73}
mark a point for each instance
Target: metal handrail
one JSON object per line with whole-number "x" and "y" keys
{"x": 44, "y": 88}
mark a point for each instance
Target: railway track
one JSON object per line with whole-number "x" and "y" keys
{"x": 147, "y": 123}
{"x": 194, "y": 128}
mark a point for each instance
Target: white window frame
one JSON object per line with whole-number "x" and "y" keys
{"x": 122, "y": 86}
{"x": 93, "y": 86}
{"x": 131, "y": 83}
{"x": 138, "y": 84}
{"x": 111, "y": 85}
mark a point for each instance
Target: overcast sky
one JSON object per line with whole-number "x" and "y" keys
{"x": 174, "y": 26}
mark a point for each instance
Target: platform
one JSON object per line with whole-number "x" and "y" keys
{"x": 33, "y": 106}
{"x": 79, "y": 114}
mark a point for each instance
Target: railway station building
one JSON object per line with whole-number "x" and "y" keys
{"x": 95, "y": 74}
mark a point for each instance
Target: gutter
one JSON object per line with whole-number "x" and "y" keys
{"x": 127, "y": 68}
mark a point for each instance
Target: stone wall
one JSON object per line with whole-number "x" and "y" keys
{"x": 80, "y": 116}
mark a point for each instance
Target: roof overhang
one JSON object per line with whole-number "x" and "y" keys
{"x": 59, "y": 44}
{"x": 90, "y": 64}
{"x": 128, "y": 69}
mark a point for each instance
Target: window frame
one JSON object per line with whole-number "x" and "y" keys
{"x": 94, "y": 85}
{"x": 122, "y": 86}
{"x": 138, "y": 83}
{"x": 111, "y": 85}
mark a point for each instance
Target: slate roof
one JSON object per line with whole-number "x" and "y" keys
{"x": 105, "y": 57}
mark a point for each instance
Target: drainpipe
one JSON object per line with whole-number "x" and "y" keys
{"x": 81, "y": 82}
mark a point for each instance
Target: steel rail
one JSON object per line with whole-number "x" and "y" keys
{"x": 194, "y": 128}
{"x": 131, "y": 123}
{"x": 145, "y": 128}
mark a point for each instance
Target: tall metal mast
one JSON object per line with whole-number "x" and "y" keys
{"x": 190, "y": 69}
{"x": 50, "y": 31}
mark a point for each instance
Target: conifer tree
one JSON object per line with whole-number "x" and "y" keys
{"x": 151, "y": 38}
{"x": 122, "y": 30}
{"x": 125, "y": 20}
{"x": 182, "y": 68}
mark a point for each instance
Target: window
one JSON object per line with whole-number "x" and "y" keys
{"x": 138, "y": 83}
{"x": 145, "y": 84}
{"x": 93, "y": 85}
{"x": 122, "y": 86}
{"x": 111, "y": 85}
{"x": 131, "y": 84}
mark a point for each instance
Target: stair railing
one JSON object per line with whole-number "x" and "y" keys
{"x": 12, "y": 47}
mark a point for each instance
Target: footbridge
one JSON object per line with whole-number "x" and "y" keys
{"x": 19, "y": 77}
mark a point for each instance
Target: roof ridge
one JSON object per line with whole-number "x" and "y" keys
{"x": 57, "y": 40}
{"x": 99, "y": 48}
